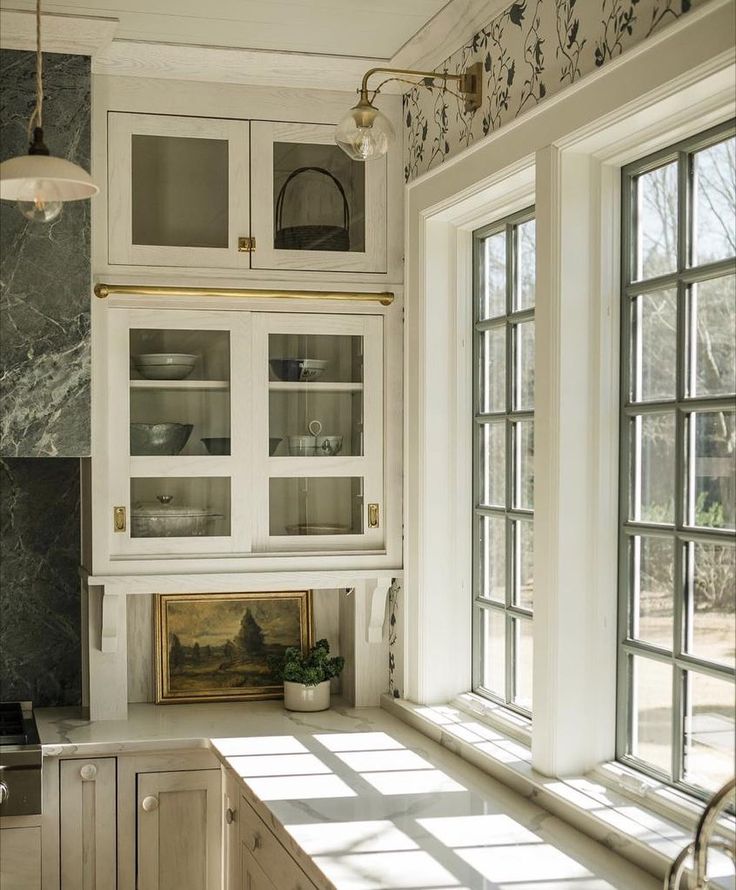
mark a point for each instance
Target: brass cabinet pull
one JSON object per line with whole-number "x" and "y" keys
{"x": 119, "y": 519}
{"x": 246, "y": 245}
{"x": 373, "y": 516}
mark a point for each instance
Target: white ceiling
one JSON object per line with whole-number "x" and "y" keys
{"x": 369, "y": 28}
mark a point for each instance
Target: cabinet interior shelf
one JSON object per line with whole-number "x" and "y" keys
{"x": 192, "y": 385}
{"x": 278, "y": 386}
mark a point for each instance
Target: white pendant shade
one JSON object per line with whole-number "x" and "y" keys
{"x": 46, "y": 178}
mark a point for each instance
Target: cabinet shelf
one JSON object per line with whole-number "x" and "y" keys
{"x": 278, "y": 386}
{"x": 190, "y": 385}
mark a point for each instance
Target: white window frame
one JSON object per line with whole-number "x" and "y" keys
{"x": 565, "y": 157}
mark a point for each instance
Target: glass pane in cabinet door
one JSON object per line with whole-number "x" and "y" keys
{"x": 183, "y": 507}
{"x": 315, "y": 395}
{"x": 319, "y": 198}
{"x": 179, "y": 392}
{"x": 323, "y": 505}
{"x": 179, "y": 191}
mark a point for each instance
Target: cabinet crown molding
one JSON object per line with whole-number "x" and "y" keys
{"x": 77, "y": 35}
{"x": 217, "y": 64}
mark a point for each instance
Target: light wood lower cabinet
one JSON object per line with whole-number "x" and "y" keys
{"x": 179, "y": 829}
{"x": 88, "y": 824}
{"x": 20, "y": 858}
{"x": 265, "y": 863}
{"x": 252, "y": 876}
{"x": 231, "y": 871}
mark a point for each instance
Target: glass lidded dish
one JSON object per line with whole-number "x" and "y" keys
{"x": 164, "y": 519}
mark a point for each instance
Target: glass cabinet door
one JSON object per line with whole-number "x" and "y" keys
{"x": 178, "y": 190}
{"x": 318, "y": 422}
{"x": 179, "y": 444}
{"x": 314, "y": 207}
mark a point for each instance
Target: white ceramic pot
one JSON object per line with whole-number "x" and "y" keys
{"x": 298, "y": 697}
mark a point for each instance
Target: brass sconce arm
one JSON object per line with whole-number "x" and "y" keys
{"x": 470, "y": 82}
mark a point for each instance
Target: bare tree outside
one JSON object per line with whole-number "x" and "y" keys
{"x": 696, "y": 335}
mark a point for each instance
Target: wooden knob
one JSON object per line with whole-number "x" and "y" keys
{"x": 229, "y": 816}
{"x": 150, "y": 804}
{"x": 88, "y": 772}
{"x": 256, "y": 841}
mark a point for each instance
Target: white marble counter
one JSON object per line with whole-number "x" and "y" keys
{"x": 151, "y": 728}
{"x": 365, "y": 802}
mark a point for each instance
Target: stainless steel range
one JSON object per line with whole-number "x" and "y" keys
{"x": 20, "y": 760}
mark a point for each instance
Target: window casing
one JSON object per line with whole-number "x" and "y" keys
{"x": 503, "y": 460}
{"x": 677, "y": 553}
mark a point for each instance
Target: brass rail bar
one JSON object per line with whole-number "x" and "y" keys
{"x": 102, "y": 291}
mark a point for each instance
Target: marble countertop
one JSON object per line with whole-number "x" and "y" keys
{"x": 149, "y": 728}
{"x": 363, "y": 801}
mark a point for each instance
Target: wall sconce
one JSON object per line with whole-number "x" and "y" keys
{"x": 365, "y": 133}
{"x": 39, "y": 182}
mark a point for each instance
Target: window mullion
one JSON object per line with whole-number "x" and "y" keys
{"x": 683, "y": 459}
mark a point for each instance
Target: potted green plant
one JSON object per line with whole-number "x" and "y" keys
{"x": 306, "y": 676}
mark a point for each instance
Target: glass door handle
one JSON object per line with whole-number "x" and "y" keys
{"x": 373, "y": 516}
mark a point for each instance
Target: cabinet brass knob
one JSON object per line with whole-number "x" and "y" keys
{"x": 229, "y": 816}
{"x": 88, "y": 772}
{"x": 150, "y": 804}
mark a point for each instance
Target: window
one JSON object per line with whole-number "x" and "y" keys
{"x": 677, "y": 566}
{"x": 503, "y": 470}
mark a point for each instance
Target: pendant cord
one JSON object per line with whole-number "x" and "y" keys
{"x": 36, "y": 119}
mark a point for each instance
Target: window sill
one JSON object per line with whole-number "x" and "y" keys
{"x": 613, "y": 804}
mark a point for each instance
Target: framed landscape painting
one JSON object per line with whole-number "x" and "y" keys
{"x": 216, "y": 646}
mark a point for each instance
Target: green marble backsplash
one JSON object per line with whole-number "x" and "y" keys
{"x": 39, "y": 581}
{"x": 44, "y": 394}
{"x": 45, "y": 272}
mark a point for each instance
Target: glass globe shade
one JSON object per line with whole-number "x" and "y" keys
{"x": 39, "y": 200}
{"x": 364, "y": 133}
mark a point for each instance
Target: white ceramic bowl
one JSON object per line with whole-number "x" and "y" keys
{"x": 328, "y": 446}
{"x": 312, "y": 368}
{"x": 165, "y": 365}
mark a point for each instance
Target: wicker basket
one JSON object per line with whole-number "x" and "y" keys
{"x": 312, "y": 237}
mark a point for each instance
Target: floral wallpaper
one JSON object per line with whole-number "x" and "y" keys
{"x": 533, "y": 49}
{"x": 395, "y": 635}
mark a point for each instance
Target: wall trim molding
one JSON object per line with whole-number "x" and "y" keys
{"x": 76, "y": 35}
{"x": 449, "y": 29}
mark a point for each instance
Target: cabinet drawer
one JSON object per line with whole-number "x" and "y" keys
{"x": 253, "y": 876}
{"x": 259, "y": 843}
{"x": 20, "y": 859}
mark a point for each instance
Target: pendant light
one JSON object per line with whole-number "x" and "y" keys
{"x": 365, "y": 133}
{"x": 39, "y": 182}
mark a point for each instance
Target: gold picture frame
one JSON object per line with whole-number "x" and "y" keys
{"x": 215, "y": 646}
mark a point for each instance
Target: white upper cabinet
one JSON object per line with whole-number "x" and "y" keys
{"x": 313, "y": 207}
{"x": 203, "y": 193}
{"x": 178, "y": 191}
{"x": 240, "y": 437}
